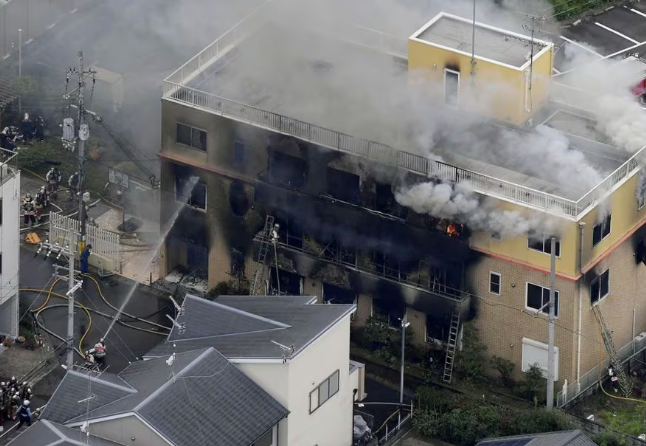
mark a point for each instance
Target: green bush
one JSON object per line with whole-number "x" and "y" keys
{"x": 565, "y": 9}
{"x": 469, "y": 364}
{"x": 230, "y": 288}
{"x": 609, "y": 439}
{"x": 33, "y": 157}
{"x": 505, "y": 367}
{"x": 534, "y": 385}
{"x": 378, "y": 337}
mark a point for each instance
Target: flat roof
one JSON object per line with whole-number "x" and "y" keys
{"x": 491, "y": 43}
{"x": 304, "y": 86}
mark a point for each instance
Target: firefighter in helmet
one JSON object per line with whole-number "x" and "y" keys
{"x": 29, "y": 210}
{"x": 98, "y": 352}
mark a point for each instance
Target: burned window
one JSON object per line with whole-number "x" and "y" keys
{"x": 238, "y": 154}
{"x": 336, "y": 295}
{"x": 600, "y": 287}
{"x": 339, "y": 253}
{"x": 290, "y": 284}
{"x": 290, "y": 231}
{"x": 237, "y": 263}
{"x": 386, "y": 202}
{"x": 538, "y": 298}
{"x": 191, "y": 136}
{"x": 194, "y": 196}
{"x": 392, "y": 312}
{"x": 543, "y": 243}
{"x": 601, "y": 230}
{"x": 388, "y": 266}
{"x": 287, "y": 170}
{"x": 238, "y": 199}
{"x": 451, "y": 87}
{"x": 343, "y": 186}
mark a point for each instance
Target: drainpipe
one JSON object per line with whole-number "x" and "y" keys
{"x": 578, "y": 342}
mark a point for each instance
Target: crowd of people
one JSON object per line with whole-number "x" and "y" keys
{"x": 14, "y": 402}
{"x": 32, "y": 206}
{"x": 29, "y": 130}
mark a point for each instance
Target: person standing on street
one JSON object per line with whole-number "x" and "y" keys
{"x": 24, "y": 413}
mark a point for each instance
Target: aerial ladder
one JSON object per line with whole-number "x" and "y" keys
{"x": 452, "y": 345}
{"x": 266, "y": 238}
{"x": 615, "y": 363}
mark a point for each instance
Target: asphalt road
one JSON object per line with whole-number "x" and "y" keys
{"x": 380, "y": 393}
{"x": 124, "y": 345}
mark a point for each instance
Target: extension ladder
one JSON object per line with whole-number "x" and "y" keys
{"x": 265, "y": 241}
{"x": 451, "y": 346}
{"x": 624, "y": 382}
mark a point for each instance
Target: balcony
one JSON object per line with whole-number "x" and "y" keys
{"x": 366, "y": 271}
{"x": 8, "y": 165}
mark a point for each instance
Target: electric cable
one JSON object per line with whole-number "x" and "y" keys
{"x": 37, "y": 297}
{"x": 116, "y": 332}
{"x": 98, "y": 287}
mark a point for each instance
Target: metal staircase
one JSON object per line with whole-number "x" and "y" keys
{"x": 615, "y": 363}
{"x": 265, "y": 242}
{"x": 451, "y": 346}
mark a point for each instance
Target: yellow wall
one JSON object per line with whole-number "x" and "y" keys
{"x": 515, "y": 248}
{"x": 622, "y": 205}
{"x": 499, "y": 91}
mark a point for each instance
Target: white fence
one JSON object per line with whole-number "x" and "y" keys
{"x": 106, "y": 245}
{"x": 571, "y": 391}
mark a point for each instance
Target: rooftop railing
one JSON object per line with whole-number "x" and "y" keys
{"x": 175, "y": 89}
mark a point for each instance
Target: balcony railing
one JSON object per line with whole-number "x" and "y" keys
{"x": 419, "y": 279}
{"x": 176, "y": 90}
{"x": 8, "y": 165}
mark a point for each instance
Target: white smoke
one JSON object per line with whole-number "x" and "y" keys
{"x": 460, "y": 203}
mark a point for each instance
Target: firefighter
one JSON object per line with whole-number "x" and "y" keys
{"x": 27, "y": 128}
{"x": 39, "y": 129}
{"x": 614, "y": 379}
{"x": 53, "y": 178}
{"x": 25, "y": 392}
{"x": 24, "y": 412}
{"x": 29, "y": 211}
{"x": 98, "y": 352}
{"x": 73, "y": 183}
{"x": 41, "y": 201}
{"x": 85, "y": 257}
{"x": 15, "y": 404}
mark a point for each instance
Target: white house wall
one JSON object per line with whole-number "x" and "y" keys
{"x": 10, "y": 249}
{"x": 331, "y": 423}
{"x": 129, "y": 430}
{"x": 274, "y": 379}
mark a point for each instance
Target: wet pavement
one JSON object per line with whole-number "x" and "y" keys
{"x": 124, "y": 345}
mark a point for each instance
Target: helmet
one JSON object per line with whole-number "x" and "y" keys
{"x": 29, "y": 390}
{"x": 25, "y": 383}
{"x": 25, "y": 403}
{"x": 27, "y": 197}
{"x": 13, "y": 378}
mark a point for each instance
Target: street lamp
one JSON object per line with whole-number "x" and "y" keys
{"x": 404, "y": 326}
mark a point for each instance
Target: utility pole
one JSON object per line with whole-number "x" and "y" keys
{"x": 73, "y": 285}
{"x": 550, "y": 333}
{"x": 473, "y": 47}
{"x": 404, "y": 325}
{"x": 83, "y": 135}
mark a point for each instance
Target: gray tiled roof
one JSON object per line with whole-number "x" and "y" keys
{"x": 46, "y": 433}
{"x": 564, "y": 438}
{"x": 201, "y": 396}
{"x": 64, "y": 403}
{"x": 286, "y": 320}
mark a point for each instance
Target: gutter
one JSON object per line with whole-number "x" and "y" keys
{"x": 578, "y": 341}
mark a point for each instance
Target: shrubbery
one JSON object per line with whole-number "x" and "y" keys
{"x": 565, "y": 9}
{"x": 464, "y": 420}
{"x": 385, "y": 342}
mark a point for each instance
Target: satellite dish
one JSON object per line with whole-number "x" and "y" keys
{"x": 84, "y": 132}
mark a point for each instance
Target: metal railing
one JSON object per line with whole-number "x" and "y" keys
{"x": 175, "y": 89}
{"x": 572, "y": 391}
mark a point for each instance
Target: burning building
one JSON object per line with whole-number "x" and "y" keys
{"x": 283, "y": 156}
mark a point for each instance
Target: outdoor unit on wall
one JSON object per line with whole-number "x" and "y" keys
{"x": 640, "y": 341}
{"x": 535, "y": 352}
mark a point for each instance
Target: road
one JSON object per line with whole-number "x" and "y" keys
{"x": 142, "y": 42}
{"x": 124, "y": 345}
{"x": 380, "y": 393}
{"x": 621, "y": 29}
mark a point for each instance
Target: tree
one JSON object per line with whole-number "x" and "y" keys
{"x": 505, "y": 367}
{"x": 230, "y": 288}
{"x": 470, "y": 361}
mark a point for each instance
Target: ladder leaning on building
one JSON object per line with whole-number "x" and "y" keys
{"x": 615, "y": 362}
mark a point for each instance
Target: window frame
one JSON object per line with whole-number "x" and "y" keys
{"x": 497, "y": 236}
{"x": 327, "y": 381}
{"x": 499, "y": 276}
{"x": 274, "y": 436}
{"x": 546, "y": 240}
{"x": 603, "y": 225}
{"x": 641, "y": 184}
{"x": 544, "y": 309}
{"x": 457, "y": 73}
{"x": 191, "y": 127}
{"x": 1, "y": 211}
{"x": 206, "y": 195}
{"x": 598, "y": 279}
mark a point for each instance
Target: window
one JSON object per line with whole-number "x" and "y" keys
{"x": 538, "y": 298}
{"x": 238, "y": 154}
{"x": 599, "y": 287}
{"x": 267, "y": 439}
{"x": 388, "y": 311}
{"x": 336, "y": 295}
{"x": 535, "y": 353}
{"x": 494, "y": 283}
{"x": 326, "y": 390}
{"x": 0, "y": 211}
{"x": 238, "y": 200}
{"x": 191, "y": 136}
{"x": 291, "y": 284}
{"x": 337, "y": 252}
{"x": 385, "y": 201}
{"x": 601, "y": 230}
{"x": 0, "y": 263}
{"x": 528, "y": 91}
{"x": 195, "y": 198}
{"x": 287, "y": 170}
{"x": 290, "y": 231}
{"x": 451, "y": 87}
{"x": 343, "y": 185}
{"x": 641, "y": 190}
{"x": 496, "y": 235}
{"x": 543, "y": 243}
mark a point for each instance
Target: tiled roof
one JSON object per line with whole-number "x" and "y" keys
{"x": 563, "y": 438}
{"x": 47, "y": 433}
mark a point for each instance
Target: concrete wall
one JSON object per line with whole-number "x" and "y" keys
{"x": 127, "y": 431}
{"x": 10, "y": 251}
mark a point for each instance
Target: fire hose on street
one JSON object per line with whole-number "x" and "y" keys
{"x": 88, "y": 312}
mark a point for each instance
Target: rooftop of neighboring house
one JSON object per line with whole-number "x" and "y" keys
{"x": 186, "y": 399}
{"x": 252, "y": 327}
{"x": 343, "y": 90}
{"x": 564, "y": 438}
{"x": 493, "y": 44}
{"x": 47, "y": 433}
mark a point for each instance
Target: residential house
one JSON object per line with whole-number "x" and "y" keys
{"x": 564, "y": 438}
{"x": 47, "y": 433}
